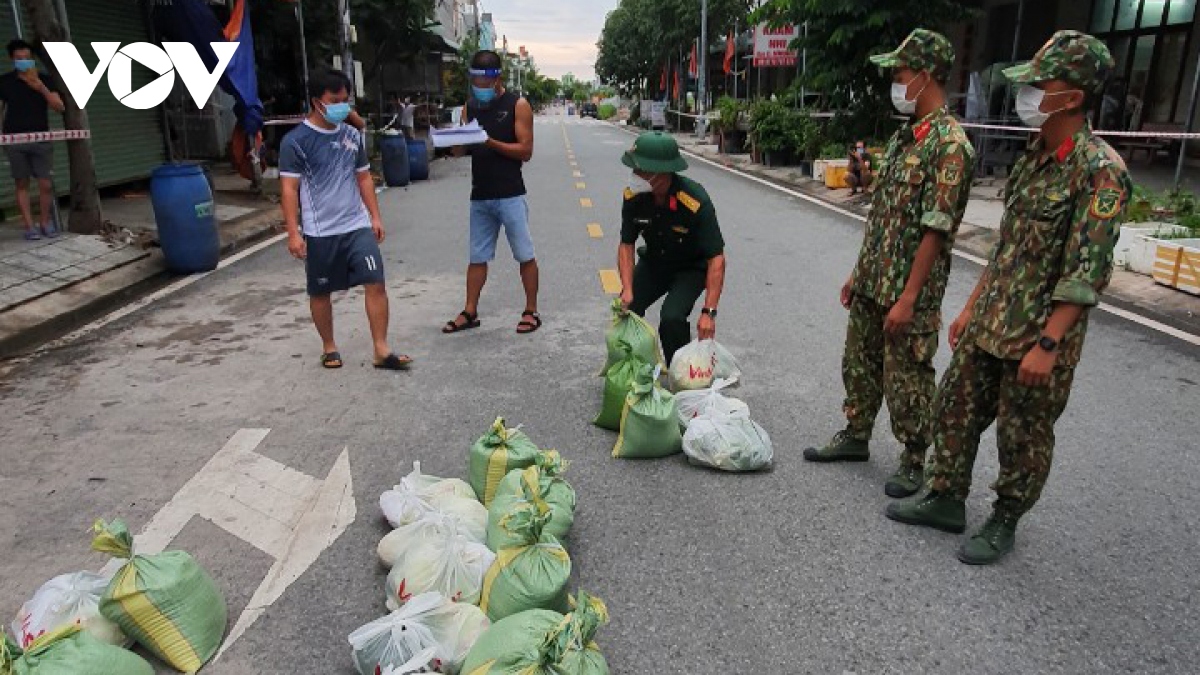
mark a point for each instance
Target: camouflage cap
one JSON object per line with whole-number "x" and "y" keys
{"x": 921, "y": 50}
{"x": 1073, "y": 57}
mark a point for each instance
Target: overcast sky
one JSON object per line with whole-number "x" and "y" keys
{"x": 560, "y": 34}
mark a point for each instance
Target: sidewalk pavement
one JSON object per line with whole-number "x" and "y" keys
{"x": 977, "y": 235}
{"x": 49, "y": 285}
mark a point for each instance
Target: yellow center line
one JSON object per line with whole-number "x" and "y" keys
{"x": 581, "y": 186}
{"x": 577, "y": 174}
{"x": 585, "y": 202}
{"x": 610, "y": 281}
{"x": 594, "y": 231}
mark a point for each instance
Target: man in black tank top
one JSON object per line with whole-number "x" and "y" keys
{"x": 498, "y": 189}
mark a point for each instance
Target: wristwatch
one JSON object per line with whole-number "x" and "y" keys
{"x": 1048, "y": 343}
{"x": 710, "y": 311}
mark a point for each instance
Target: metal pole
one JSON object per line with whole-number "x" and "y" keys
{"x": 16, "y": 11}
{"x": 700, "y": 88}
{"x": 1191, "y": 124}
{"x": 303, "y": 50}
{"x": 804, "y": 69}
{"x": 344, "y": 42}
{"x": 1015, "y": 50}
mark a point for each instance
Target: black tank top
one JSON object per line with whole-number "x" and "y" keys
{"x": 494, "y": 176}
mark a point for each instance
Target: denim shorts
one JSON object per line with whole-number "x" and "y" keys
{"x": 488, "y": 216}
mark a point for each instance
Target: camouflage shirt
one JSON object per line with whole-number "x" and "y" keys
{"x": 923, "y": 185}
{"x": 1063, "y": 211}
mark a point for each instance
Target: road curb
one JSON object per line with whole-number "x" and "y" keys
{"x": 40, "y": 320}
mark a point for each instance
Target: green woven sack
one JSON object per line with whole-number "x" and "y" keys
{"x": 165, "y": 602}
{"x": 71, "y": 651}
{"x": 496, "y": 453}
{"x": 634, "y": 331}
{"x": 618, "y": 381}
{"x": 650, "y": 423}
{"x": 541, "y": 642}
{"x": 538, "y": 484}
{"x": 531, "y": 575}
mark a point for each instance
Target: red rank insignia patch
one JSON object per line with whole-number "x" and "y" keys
{"x": 922, "y": 130}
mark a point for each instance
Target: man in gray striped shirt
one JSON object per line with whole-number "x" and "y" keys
{"x": 325, "y": 177}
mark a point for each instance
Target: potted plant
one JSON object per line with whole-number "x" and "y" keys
{"x": 805, "y": 135}
{"x": 771, "y": 131}
{"x": 730, "y": 137}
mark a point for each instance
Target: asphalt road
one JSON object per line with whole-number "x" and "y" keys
{"x": 792, "y": 571}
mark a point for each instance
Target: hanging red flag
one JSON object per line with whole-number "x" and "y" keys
{"x": 662, "y": 85}
{"x": 694, "y": 66}
{"x": 677, "y": 91}
{"x": 730, "y": 51}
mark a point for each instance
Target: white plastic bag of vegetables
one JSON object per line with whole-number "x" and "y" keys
{"x": 729, "y": 441}
{"x": 432, "y": 527}
{"x": 429, "y": 632}
{"x": 418, "y": 494}
{"x": 697, "y": 364}
{"x": 693, "y": 404}
{"x": 66, "y": 600}
{"x": 450, "y": 565}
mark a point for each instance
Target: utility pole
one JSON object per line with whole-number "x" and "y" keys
{"x": 344, "y": 42}
{"x": 85, "y": 217}
{"x": 303, "y": 50}
{"x": 700, "y": 86}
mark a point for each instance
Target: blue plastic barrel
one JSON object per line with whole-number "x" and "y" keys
{"x": 418, "y": 160}
{"x": 395, "y": 159}
{"x": 183, "y": 210}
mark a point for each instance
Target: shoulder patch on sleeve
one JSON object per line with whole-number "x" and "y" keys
{"x": 1107, "y": 200}
{"x": 689, "y": 201}
{"x": 629, "y": 194}
{"x": 951, "y": 170}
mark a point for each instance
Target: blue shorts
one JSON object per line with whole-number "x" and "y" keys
{"x": 488, "y": 216}
{"x": 341, "y": 261}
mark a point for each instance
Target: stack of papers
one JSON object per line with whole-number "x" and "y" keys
{"x": 467, "y": 134}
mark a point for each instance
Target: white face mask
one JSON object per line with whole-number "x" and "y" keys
{"x": 638, "y": 185}
{"x": 900, "y": 98}
{"x": 1029, "y": 106}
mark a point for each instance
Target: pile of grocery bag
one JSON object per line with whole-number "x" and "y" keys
{"x": 478, "y": 571}
{"x": 80, "y": 623}
{"x": 689, "y": 414}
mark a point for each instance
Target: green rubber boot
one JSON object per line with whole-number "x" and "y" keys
{"x": 941, "y": 512}
{"x": 843, "y": 448}
{"x": 906, "y": 482}
{"x": 992, "y": 542}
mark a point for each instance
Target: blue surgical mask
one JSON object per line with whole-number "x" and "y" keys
{"x": 483, "y": 94}
{"x": 336, "y": 113}
{"x": 23, "y": 65}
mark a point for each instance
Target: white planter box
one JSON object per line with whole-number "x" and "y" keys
{"x": 820, "y": 165}
{"x": 1137, "y": 246}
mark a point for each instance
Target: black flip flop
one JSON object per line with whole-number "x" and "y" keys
{"x": 393, "y": 362}
{"x": 331, "y": 360}
{"x": 472, "y": 322}
{"x": 525, "y": 327}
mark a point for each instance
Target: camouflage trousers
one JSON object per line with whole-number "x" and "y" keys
{"x": 900, "y": 370}
{"x": 976, "y": 390}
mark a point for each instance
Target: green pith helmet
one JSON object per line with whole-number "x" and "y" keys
{"x": 921, "y": 50}
{"x": 1073, "y": 57}
{"x": 654, "y": 152}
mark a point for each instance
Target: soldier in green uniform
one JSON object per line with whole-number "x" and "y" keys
{"x": 895, "y": 291}
{"x": 1020, "y": 336}
{"x": 684, "y": 254}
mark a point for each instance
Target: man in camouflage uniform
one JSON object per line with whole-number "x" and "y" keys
{"x": 1019, "y": 338}
{"x": 895, "y": 292}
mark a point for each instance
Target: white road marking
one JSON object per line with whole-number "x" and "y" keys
{"x": 1147, "y": 322}
{"x": 286, "y": 514}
